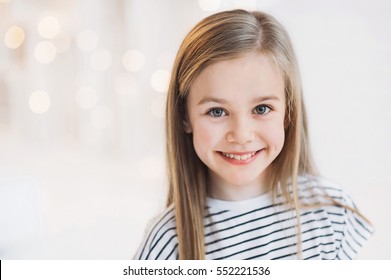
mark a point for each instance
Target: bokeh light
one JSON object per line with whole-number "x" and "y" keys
{"x": 39, "y": 102}
{"x": 133, "y": 60}
{"x": 101, "y": 117}
{"x": 44, "y": 52}
{"x": 14, "y": 37}
{"x": 87, "y": 40}
{"x": 209, "y": 5}
{"x": 62, "y": 42}
{"x": 49, "y": 27}
{"x": 160, "y": 80}
{"x": 86, "y": 97}
{"x": 101, "y": 60}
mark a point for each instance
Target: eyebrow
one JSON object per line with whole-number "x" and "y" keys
{"x": 223, "y": 101}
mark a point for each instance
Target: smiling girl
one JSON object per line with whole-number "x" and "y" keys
{"x": 242, "y": 184}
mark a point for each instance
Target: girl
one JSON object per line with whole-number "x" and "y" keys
{"x": 242, "y": 184}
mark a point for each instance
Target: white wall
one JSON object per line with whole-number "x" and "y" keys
{"x": 82, "y": 183}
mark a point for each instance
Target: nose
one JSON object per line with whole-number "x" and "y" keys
{"x": 241, "y": 131}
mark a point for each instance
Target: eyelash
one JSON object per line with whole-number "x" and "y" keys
{"x": 210, "y": 112}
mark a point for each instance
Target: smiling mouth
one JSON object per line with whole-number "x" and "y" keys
{"x": 241, "y": 156}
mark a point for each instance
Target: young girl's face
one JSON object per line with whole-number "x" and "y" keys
{"x": 236, "y": 115}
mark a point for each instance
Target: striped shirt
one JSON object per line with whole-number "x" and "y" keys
{"x": 260, "y": 228}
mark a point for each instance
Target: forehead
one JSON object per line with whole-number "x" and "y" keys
{"x": 250, "y": 75}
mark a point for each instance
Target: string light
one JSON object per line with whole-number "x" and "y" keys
{"x": 49, "y": 27}
{"x": 86, "y": 97}
{"x": 101, "y": 60}
{"x": 87, "y": 40}
{"x": 14, "y": 37}
{"x": 39, "y": 102}
{"x": 209, "y": 5}
{"x": 45, "y": 52}
{"x": 133, "y": 60}
{"x": 160, "y": 80}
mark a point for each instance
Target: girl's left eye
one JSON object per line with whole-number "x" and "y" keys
{"x": 262, "y": 109}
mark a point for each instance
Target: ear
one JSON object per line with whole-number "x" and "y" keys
{"x": 186, "y": 125}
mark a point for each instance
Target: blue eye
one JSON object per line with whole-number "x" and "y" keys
{"x": 216, "y": 112}
{"x": 262, "y": 109}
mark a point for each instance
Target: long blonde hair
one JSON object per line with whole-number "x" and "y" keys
{"x": 222, "y": 36}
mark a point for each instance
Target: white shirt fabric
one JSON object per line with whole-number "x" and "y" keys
{"x": 259, "y": 228}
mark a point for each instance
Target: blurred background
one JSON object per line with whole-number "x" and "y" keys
{"x": 82, "y": 95}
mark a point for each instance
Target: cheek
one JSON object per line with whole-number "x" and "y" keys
{"x": 275, "y": 135}
{"x": 205, "y": 136}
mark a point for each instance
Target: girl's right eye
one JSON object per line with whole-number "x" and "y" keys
{"x": 216, "y": 112}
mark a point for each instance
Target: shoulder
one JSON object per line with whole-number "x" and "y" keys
{"x": 160, "y": 241}
{"x": 315, "y": 190}
{"x": 318, "y": 189}
{"x": 351, "y": 229}
{"x": 318, "y": 183}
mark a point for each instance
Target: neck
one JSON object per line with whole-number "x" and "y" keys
{"x": 223, "y": 190}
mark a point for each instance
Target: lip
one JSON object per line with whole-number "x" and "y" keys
{"x": 240, "y": 162}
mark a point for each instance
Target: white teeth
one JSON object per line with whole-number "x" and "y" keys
{"x": 240, "y": 157}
